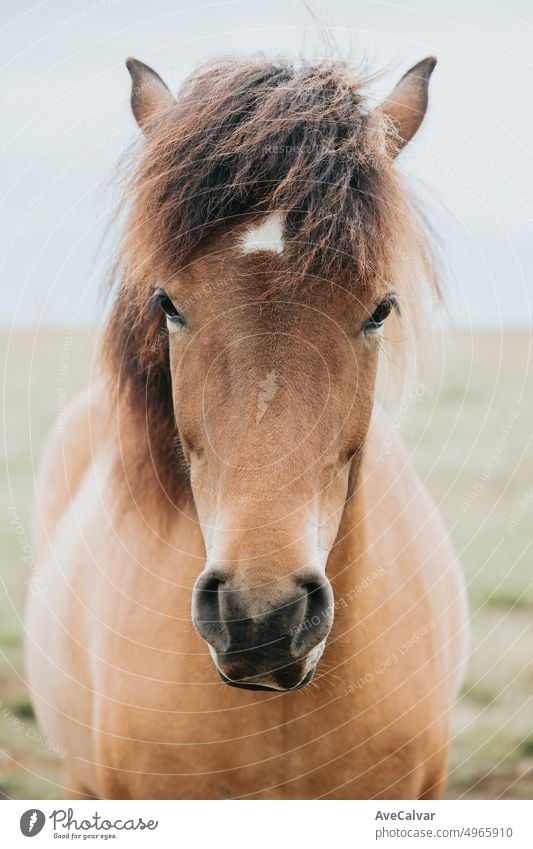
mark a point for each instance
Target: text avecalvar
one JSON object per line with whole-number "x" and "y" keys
{"x": 405, "y": 815}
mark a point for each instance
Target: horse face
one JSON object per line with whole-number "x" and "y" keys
{"x": 273, "y": 397}
{"x": 272, "y": 392}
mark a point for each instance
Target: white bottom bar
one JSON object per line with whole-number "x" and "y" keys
{"x": 258, "y": 825}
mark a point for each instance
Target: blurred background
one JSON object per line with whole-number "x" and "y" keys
{"x": 65, "y": 117}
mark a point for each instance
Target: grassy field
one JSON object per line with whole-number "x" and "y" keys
{"x": 470, "y": 432}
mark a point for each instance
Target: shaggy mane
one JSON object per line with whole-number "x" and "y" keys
{"x": 245, "y": 138}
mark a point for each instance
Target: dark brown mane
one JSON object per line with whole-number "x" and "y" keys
{"x": 244, "y": 138}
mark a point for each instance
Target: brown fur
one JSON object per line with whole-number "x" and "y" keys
{"x": 316, "y": 484}
{"x": 243, "y": 138}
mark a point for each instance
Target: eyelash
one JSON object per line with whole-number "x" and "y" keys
{"x": 162, "y": 299}
{"x": 380, "y": 314}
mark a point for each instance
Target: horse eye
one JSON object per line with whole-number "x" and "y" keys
{"x": 162, "y": 299}
{"x": 382, "y": 311}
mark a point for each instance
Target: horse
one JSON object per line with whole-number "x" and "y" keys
{"x": 247, "y": 591}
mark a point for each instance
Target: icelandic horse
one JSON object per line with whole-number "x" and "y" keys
{"x": 248, "y": 592}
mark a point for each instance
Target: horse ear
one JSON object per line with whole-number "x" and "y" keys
{"x": 149, "y": 94}
{"x": 407, "y": 103}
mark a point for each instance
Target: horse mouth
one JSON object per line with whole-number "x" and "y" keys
{"x": 271, "y": 687}
{"x": 265, "y": 674}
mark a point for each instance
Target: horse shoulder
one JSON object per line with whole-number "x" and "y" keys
{"x": 67, "y": 456}
{"x": 411, "y": 537}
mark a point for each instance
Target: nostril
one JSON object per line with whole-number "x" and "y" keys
{"x": 318, "y": 616}
{"x": 318, "y": 601}
{"x": 211, "y": 586}
{"x": 206, "y": 611}
{"x": 311, "y": 587}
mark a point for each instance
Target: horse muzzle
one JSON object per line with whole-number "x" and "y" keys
{"x": 267, "y": 637}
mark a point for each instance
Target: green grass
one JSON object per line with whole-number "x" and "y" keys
{"x": 470, "y": 433}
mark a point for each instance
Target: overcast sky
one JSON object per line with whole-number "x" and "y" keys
{"x": 65, "y": 121}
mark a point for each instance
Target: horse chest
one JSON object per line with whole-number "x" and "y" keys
{"x": 206, "y": 740}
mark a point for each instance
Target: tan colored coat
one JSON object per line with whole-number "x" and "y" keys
{"x": 124, "y": 685}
